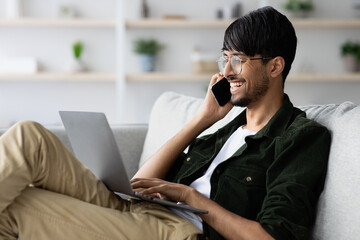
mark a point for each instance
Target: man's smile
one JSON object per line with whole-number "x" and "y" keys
{"x": 236, "y": 85}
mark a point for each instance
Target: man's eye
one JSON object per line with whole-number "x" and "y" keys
{"x": 237, "y": 60}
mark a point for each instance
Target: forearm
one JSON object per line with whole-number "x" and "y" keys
{"x": 226, "y": 223}
{"x": 160, "y": 163}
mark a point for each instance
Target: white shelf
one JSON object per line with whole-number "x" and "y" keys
{"x": 54, "y": 77}
{"x": 76, "y": 23}
{"x": 165, "y": 23}
{"x": 326, "y": 23}
{"x": 179, "y": 77}
{"x": 298, "y": 23}
{"x": 164, "y": 77}
{"x": 324, "y": 77}
{"x": 167, "y": 77}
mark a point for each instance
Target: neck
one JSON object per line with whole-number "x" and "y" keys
{"x": 259, "y": 113}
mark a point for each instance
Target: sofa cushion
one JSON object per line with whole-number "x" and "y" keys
{"x": 169, "y": 115}
{"x": 337, "y": 214}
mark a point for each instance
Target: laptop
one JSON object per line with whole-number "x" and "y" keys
{"x": 94, "y": 144}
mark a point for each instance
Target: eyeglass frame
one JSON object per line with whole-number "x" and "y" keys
{"x": 241, "y": 61}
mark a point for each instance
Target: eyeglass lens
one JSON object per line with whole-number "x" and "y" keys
{"x": 235, "y": 63}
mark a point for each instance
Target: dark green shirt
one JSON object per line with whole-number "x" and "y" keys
{"x": 275, "y": 178}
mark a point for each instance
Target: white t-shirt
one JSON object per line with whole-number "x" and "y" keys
{"x": 202, "y": 184}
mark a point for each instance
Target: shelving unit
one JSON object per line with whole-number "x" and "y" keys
{"x": 106, "y": 24}
{"x": 41, "y": 34}
{"x": 164, "y": 24}
{"x": 307, "y": 23}
{"x": 59, "y": 23}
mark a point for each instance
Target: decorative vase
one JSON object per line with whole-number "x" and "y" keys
{"x": 356, "y": 6}
{"x": 144, "y": 9}
{"x": 76, "y": 65}
{"x": 300, "y": 14}
{"x": 147, "y": 62}
{"x": 14, "y": 9}
{"x": 350, "y": 63}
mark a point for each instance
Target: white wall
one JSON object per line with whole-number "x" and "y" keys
{"x": 318, "y": 51}
{"x": 41, "y": 100}
{"x": 107, "y": 50}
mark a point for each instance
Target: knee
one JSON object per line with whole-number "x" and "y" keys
{"x": 25, "y": 133}
{"x": 27, "y": 126}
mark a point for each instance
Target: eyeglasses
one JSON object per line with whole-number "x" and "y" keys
{"x": 235, "y": 63}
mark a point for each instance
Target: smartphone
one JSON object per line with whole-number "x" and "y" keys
{"x": 221, "y": 91}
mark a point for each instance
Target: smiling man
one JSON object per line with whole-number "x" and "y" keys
{"x": 259, "y": 177}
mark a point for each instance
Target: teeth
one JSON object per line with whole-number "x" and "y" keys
{"x": 236, "y": 84}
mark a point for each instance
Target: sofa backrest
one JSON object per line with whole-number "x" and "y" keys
{"x": 337, "y": 215}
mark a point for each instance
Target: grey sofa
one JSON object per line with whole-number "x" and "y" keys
{"x": 338, "y": 215}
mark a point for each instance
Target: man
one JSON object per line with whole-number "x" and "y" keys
{"x": 259, "y": 177}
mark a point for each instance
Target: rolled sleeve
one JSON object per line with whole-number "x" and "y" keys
{"x": 294, "y": 183}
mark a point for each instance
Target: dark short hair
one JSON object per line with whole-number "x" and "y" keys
{"x": 264, "y": 31}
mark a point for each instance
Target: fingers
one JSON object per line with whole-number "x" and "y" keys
{"x": 160, "y": 188}
{"x": 151, "y": 187}
{"x": 216, "y": 77}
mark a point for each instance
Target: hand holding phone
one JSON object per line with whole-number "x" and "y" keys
{"x": 221, "y": 91}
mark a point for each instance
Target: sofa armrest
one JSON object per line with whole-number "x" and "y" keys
{"x": 129, "y": 138}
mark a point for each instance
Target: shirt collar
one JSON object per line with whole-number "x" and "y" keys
{"x": 277, "y": 124}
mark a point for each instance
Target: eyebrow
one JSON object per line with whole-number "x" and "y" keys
{"x": 239, "y": 54}
{"x": 236, "y": 54}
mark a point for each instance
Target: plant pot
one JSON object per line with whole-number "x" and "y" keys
{"x": 14, "y": 9}
{"x": 350, "y": 63}
{"x": 147, "y": 62}
{"x": 75, "y": 65}
{"x": 300, "y": 14}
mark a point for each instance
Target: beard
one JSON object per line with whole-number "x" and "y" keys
{"x": 259, "y": 90}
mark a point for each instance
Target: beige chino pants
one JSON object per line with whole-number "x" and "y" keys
{"x": 67, "y": 200}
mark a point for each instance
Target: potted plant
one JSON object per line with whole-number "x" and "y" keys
{"x": 76, "y": 64}
{"x": 147, "y": 50}
{"x": 78, "y": 48}
{"x": 299, "y": 8}
{"x": 350, "y": 52}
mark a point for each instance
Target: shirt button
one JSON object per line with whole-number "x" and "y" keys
{"x": 188, "y": 159}
{"x": 248, "y": 179}
{"x": 218, "y": 171}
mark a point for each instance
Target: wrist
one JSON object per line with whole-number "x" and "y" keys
{"x": 192, "y": 197}
{"x": 203, "y": 121}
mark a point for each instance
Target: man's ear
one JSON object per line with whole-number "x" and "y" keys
{"x": 277, "y": 66}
